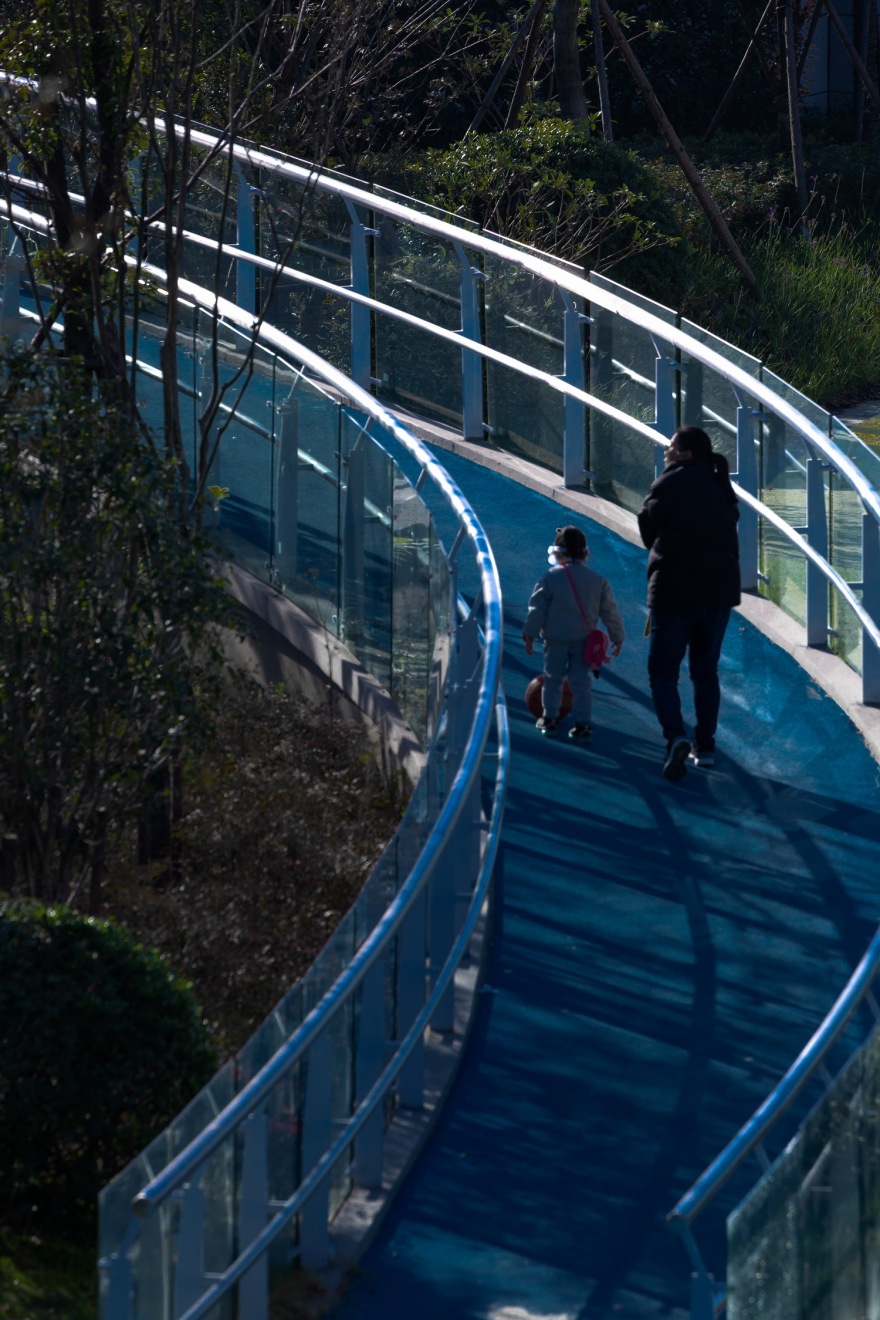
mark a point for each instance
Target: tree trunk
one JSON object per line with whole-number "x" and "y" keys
{"x": 567, "y": 62}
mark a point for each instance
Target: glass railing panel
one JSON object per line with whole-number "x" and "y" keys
{"x": 423, "y": 207}
{"x": 524, "y": 320}
{"x": 269, "y": 1036}
{"x": 866, "y": 457}
{"x": 707, "y": 398}
{"x": 420, "y": 275}
{"x": 622, "y": 373}
{"x": 309, "y": 569}
{"x": 845, "y": 554}
{"x": 412, "y": 642}
{"x": 115, "y": 1200}
{"x": 244, "y": 435}
{"x": 284, "y": 1111}
{"x": 344, "y": 1038}
{"x": 305, "y": 230}
{"x": 367, "y": 548}
{"x": 782, "y": 481}
{"x": 803, "y": 1243}
{"x": 210, "y": 210}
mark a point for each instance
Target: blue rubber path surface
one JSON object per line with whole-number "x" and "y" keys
{"x": 661, "y": 953}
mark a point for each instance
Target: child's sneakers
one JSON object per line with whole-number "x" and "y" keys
{"x": 548, "y": 727}
{"x": 581, "y": 733}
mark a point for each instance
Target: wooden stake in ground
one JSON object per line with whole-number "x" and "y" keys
{"x": 794, "y": 106}
{"x": 746, "y": 60}
{"x": 525, "y": 70}
{"x": 602, "y": 80}
{"x": 521, "y": 31}
{"x": 716, "y": 219}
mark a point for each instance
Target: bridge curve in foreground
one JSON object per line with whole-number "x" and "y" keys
{"x": 662, "y": 952}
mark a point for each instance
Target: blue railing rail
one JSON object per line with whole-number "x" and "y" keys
{"x": 708, "y": 1297}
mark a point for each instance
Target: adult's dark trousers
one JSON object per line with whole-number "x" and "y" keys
{"x": 699, "y": 635}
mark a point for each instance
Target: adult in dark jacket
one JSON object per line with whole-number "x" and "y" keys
{"x": 688, "y": 522}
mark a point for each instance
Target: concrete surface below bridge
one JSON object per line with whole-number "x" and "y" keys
{"x": 661, "y": 952}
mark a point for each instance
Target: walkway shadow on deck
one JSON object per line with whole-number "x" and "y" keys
{"x": 661, "y": 954}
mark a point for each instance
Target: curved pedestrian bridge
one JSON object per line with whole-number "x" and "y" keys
{"x": 659, "y": 953}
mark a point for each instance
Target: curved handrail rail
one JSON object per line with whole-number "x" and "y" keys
{"x": 756, "y": 1128}
{"x": 375, "y": 1095}
{"x": 866, "y": 492}
{"x": 553, "y": 274}
{"x": 256, "y": 1090}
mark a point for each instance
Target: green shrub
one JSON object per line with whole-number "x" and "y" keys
{"x": 558, "y": 188}
{"x": 100, "y": 1046}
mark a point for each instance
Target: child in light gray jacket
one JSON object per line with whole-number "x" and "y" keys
{"x": 565, "y": 606}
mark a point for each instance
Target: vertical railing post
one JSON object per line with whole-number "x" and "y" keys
{"x": 601, "y": 439}
{"x": 314, "y": 1241}
{"x": 458, "y": 852}
{"x": 574, "y": 411}
{"x": 370, "y": 1058}
{"x": 116, "y": 1273}
{"x": 871, "y": 602}
{"x": 10, "y": 308}
{"x": 253, "y": 1214}
{"x": 361, "y": 316}
{"x": 702, "y": 1297}
{"x": 284, "y": 551}
{"x": 189, "y": 1267}
{"x": 692, "y": 393}
{"x": 817, "y": 537}
{"x": 471, "y": 365}
{"x": 352, "y": 611}
{"x": 665, "y": 369}
{"x": 746, "y": 476}
{"x": 245, "y": 272}
{"x": 411, "y": 985}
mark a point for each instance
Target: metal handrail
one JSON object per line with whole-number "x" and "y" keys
{"x": 753, "y": 1132}
{"x": 285, "y": 1212}
{"x": 546, "y": 270}
{"x": 563, "y": 387}
{"x": 249, "y": 1098}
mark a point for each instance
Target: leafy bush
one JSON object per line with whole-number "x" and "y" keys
{"x": 100, "y": 1046}
{"x": 555, "y": 187}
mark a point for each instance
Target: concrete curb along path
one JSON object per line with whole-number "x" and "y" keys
{"x": 661, "y": 952}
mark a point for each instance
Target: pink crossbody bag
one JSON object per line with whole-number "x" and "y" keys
{"x": 596, "y": 643}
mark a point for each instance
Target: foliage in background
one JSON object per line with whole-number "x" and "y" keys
{"x": 100, "y": 1045}
{"x": 106, "y": 599}
{"x": 44, "y": 1277}
{"x": 286, "y": 814}
{"x": 551, "y": 185}
{"x": 818, "y": 323}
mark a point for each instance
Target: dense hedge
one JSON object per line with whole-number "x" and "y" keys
{"x": 100, "y": 1046}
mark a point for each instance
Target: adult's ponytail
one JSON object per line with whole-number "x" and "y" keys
{"x": 721, "y": 468}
